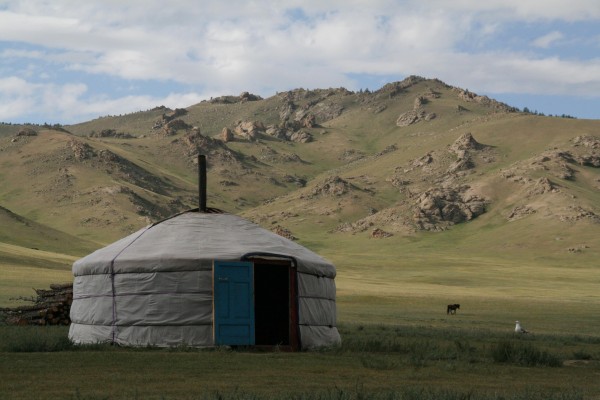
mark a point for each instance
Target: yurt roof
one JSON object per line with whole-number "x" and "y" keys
{"x": 192, "y": 241}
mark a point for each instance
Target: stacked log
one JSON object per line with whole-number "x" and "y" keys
{"x": 50, "y": 307}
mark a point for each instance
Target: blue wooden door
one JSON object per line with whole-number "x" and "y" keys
{"x": 234, "y": 303}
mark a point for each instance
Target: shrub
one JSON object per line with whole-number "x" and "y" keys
{"x": 523, "y": 354}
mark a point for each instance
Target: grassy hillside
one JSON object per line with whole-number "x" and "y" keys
{"x": 417, "y": 189}
{"x": 20, "y": 231}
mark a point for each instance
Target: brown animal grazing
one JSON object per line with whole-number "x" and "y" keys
{"x": 452, "y": 308}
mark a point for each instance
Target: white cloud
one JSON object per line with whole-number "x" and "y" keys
{"x": 548, "y": 39}
{"x": 219, "y": 47}
{"x": 529, "y": 10}
{"x": 70, "y": 103}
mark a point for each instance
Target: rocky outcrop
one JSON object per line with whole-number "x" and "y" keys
{"x": 471, "y": 97}
{"x": 246, "y": 96}
{"x": 195, "y": 142}
{"x": 391, "y": 90}
{"x": 242, "y": 98}
{"x": 333, "y": 186}
{"x": 284, "y": 232}
{"x": 589, "y": 160}
{"x": 176, "y": 125}
{"x": 301, "y": 137}
{"x": 380, "y": 234}
{"x": 563, "y": 164}
{"x": 176, "y": 113}
{"x": 520, "y": 212}
{"x": 306, "y": 109}
{"x": 169, "y": 123}
{"x": 289, "y": 134}
{"x": 588, "y": 141}
{"x": 81, "y": 151}
{"x": 324, "y": 111}
{"x": 227, "y": 135}
{"x": 576, "y": 213}
{"x": 466, "y": 142}
{"x": 438, "y": 208}
{"x": 249, "y": 130}
{"x": 543, "y": 186}
{"x": 415, "y": 115}
{"x": 463, "y": 148}
{"x": 591, "y": 144}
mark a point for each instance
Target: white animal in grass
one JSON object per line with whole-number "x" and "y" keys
{"x": 519, "y": 328}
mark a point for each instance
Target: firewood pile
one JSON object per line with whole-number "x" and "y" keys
{"x": 50, "y": 307}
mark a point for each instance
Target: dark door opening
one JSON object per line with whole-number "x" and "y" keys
{"x": 275, "y": 303}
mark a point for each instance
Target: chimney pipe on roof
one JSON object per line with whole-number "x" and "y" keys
{"x": 202, "y": 182}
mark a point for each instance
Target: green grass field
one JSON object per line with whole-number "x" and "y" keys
{"x": 374, "y": 362}
{"x": 398, "y": 341}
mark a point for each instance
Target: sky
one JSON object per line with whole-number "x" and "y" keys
{"x": 70, "y": 61}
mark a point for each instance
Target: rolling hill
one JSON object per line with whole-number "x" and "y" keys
{"x": 418, "y": 182}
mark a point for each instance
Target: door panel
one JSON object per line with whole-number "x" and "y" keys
{"x": 234, "y": 303}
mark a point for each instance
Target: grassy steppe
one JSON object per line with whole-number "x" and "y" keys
{"x": 375, "y": 362}
{"x": 541, "y": 269}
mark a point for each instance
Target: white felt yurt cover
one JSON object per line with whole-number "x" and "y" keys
{"x": 154, "y": 287}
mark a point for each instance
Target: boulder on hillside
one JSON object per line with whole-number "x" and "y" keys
{"x": 226, "y": 135}
{"x": 438, "y": 208}
{"x": 465, "y": 142}
{"x": 301, "y": 137}
{"x": 409, "y": 118}
{"x": 277, "y": 132}
{"x": 415, "y": 115}
{"x": 249, "y": 129}
{"x": 463, "y": 147}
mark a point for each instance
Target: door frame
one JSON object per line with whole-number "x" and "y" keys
{"x": 289, "y": 262}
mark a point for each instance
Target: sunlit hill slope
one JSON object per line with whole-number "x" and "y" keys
{"x": 416, "y": 176}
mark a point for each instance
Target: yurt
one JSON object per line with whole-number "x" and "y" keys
{"x": 203, "y": 278}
